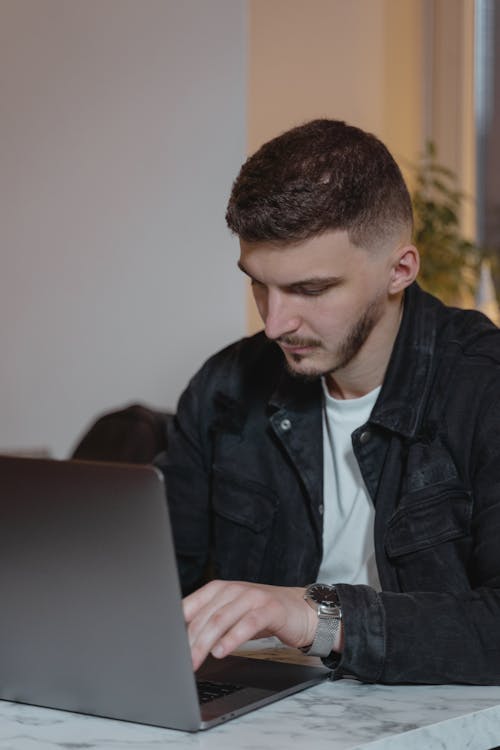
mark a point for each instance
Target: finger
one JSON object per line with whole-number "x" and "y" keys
{"x": 194, "y": 602}
{"x": 211, "y": 625}
{"x": 245, "y": 628}
{"x": 252, "y": 624}
{"x": 211, "y": 599}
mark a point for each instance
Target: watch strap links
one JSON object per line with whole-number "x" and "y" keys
{"x": 326, "y": 633}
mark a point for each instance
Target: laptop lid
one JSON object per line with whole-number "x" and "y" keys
{"x": 91, "y": 615}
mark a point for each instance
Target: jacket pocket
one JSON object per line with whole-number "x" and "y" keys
{"x": 418, "y": 525}
{"x": 244, "y": 512}
{"x": 428, "y": 541}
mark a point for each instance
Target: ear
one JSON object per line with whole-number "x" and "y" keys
{"x": 404, "y": 269}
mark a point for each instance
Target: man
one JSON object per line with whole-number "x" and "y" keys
{"x": 356, "y": 441}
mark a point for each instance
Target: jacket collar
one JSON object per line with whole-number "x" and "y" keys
{"x": 407, "y": 383}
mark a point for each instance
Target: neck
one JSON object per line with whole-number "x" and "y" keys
{"x": 366, "y": 371}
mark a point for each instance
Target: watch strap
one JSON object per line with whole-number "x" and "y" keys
{"x": 326, "y": 633}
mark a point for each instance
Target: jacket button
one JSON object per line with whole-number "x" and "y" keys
{"x": 365, "y": 437}
{"x": 320, "y": 509}
{"x": 285, "y": 425}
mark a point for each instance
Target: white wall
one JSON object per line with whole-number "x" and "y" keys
{"x": 122, "y": 126}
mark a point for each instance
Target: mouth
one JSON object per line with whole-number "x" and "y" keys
{"x": 297, "y": 348}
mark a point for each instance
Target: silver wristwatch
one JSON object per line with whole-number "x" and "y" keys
{"x": 324, "y": 599}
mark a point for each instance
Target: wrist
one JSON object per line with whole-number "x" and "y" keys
{"x": 312, "y": 624}
{"x": 325, "y": 606}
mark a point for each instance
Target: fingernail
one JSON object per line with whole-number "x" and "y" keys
{"x": 218, "y": 651}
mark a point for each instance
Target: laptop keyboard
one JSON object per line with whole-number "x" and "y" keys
{"x": 210, "y": 691}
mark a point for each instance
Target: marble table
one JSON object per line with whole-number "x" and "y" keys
{"x": 341, "y": 715}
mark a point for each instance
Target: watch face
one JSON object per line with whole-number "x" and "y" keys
{"x": 323, "y": 594}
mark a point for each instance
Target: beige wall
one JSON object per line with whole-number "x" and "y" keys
{"x": 451, "y": 108}
{"x": 358, "y": 60}
{"x": 380, "y": 64}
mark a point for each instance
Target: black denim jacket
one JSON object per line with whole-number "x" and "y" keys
{"x": 244, "y": 473}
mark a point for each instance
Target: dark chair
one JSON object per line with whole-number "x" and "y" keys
{"x": 135, "y": 435}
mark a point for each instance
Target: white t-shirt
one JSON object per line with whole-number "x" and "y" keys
{"x": 348, "y": 515}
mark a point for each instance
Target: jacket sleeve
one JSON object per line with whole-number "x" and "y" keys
{"x": 448, "y": 630}
{"x": 428, "y": 638}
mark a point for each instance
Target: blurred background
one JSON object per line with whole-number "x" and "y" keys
{"x": 122, "y": 126}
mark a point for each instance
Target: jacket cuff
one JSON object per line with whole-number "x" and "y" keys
{"x": 363, "y": 617}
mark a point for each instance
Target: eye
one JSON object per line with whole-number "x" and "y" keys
{"x": 311, "y": 291}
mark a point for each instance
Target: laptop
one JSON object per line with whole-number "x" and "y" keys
{"x": 91, "y": 618}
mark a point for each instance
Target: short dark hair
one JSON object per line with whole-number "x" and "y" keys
{"x": 320, "y": 176}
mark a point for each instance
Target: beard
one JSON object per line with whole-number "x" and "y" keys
{"x": 346, "y": 351}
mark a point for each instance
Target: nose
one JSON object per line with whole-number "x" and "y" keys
{"x": 279, "y": 316}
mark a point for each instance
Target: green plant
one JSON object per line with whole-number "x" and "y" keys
{"x": 449, "y": 262}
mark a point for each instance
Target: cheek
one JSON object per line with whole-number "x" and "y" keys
{"x": 334, "y": 315}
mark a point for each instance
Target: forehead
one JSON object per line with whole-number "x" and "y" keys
{"x": 328, "y": 254}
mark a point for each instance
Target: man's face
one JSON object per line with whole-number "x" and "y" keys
{"x": 320, "y": 300}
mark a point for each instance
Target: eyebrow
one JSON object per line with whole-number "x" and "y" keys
{"x": 326, "y": 280}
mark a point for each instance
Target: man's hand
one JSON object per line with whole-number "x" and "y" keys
{"x": 224, "y": 614}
